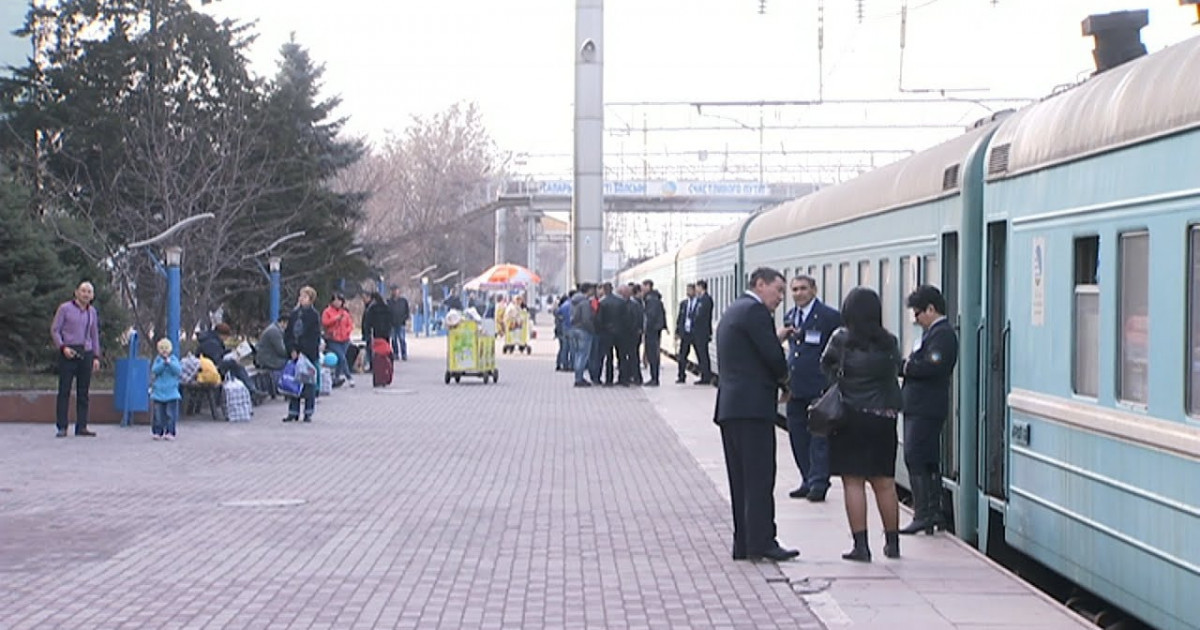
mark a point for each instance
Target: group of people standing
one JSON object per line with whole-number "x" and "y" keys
{"x": 601, "y": 329}
{"x": 852, "y": 349}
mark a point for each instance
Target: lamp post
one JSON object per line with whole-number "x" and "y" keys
{"x": 273, "y": 265}
{"x": 273, "y": 271}
{"x": 425, "y": 305}
{"x": 174, "y": 256}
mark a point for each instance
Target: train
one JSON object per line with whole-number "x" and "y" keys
{"x": 1066, "y": 239}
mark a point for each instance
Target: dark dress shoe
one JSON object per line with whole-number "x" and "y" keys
{"x": 651, "y": 384}
{"x": 817, "y": 495}
{"x": 702, "y": 382}
{"x": 85, "y": 433}
{"x": 777, "y": 554}
{"x": 799, "y": 493}
{"x": 61, "y": 433}
{"x": 680, "y": 381}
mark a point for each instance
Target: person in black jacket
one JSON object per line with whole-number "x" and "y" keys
{"x": 613, "y": 321}
{"x": 754, "y": 373}
{"x": 211, "y": 344}
{"x": 400, "y": 312}
{"x": 303, "y": 336}
{"x": 633, "y": 343}
{"x": 656, "y": 323}
{"x": 702, "y": 331}
{"x": 863, "y": 359}
{"x": 927, "y": 376}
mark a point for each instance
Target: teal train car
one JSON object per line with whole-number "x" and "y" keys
{"x": 1091, "y": 311}
{"x": 1066, "y": 237}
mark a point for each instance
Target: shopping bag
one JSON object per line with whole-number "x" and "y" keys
{"x": 288, "y": 384}
{"x": 306, "y": 372}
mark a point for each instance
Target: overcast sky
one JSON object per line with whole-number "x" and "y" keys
{"x": 389, "y": 59}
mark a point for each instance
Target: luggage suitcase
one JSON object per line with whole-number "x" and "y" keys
{"x": 381, "y": 369}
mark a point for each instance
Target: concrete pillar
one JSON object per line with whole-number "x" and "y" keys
{"x": 587, "y": 208}
{"x": 501, "y": 235}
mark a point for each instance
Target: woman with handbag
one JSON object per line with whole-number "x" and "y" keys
{"x": 862, "y": 360}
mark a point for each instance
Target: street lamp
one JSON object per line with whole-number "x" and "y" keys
{"x": 174, "y": 258}
{"x": 273, "y": 274}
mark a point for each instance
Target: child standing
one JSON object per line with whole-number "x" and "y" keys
{"x": 165, "y": 393}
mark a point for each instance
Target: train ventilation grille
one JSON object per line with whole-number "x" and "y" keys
{"x": 998, "y": 160}
{"x": 950, "y": 177}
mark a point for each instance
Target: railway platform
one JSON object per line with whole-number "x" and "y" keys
{"x": 521, "y": 504}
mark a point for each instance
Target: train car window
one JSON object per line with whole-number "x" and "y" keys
{"x": 828, "y": 292}
{"x": 931, "y": 271}
{"x": 812, "y": 272}
{"x": 908, "y": 283}
{"x": 847, "y": 283}
{"x": 864, "y": 274}
{"x": 1134, "y": 317}
{"x": 1193, "y": 384}
{"x": 887, "y": 296}
{"x": 1085, "y": 362}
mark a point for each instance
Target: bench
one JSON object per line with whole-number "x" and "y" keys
{"x": 195, "y": 394}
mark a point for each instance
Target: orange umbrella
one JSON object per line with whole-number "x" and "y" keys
{"x": 502, "y": 276}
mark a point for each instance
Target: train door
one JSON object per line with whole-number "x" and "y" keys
{"x": 949, "y": 285}
{"x": 995, "y": 369}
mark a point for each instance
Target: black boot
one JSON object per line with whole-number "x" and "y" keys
{"x": 922, "y": 519}
{"x": 934, "y": 498}
{"x": 861, "y": 551}
{"x": 891, "y": 547}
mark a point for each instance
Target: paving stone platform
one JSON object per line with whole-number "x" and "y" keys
{"x": 523, "y": 504}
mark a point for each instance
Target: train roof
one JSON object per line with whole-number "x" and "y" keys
{"x": 727, "y": 235}
{"x": 1149, "y": 97}
{"x": 925, "y": 176}
{"x": 639, "y": 270}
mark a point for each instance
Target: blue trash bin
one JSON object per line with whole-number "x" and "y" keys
{"x": 131, "y": 392}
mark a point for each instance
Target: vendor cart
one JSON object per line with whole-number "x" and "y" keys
{"x": 470, "y": 351}
{"x": 516, "y": 332}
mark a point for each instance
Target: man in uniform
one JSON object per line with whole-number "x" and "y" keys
{"x": 807, "y": 329}
{"x": 755, "y": 371}
{"x": 927, "y": 376}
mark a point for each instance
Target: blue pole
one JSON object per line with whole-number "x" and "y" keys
{"x": 274, "y": 275}
{"x": 426, "y": 305}
{"x": 173, "y": 297}
{"x": 379, "y": 286}
{"x": 126, "y": 414}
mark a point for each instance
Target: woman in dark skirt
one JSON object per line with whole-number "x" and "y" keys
{"x": 864, "y": 359}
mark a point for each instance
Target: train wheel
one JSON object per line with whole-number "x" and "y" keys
{"x": 457, "y": 378}
{"x": 495, "y": 376}
{"x": 447, "y": 377}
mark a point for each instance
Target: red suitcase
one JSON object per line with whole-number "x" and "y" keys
{"x": 381, "y": 369}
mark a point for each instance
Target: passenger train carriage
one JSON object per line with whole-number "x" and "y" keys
{"x": 1066, "y": 238}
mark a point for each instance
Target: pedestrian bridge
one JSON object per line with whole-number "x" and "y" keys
{"x": 655, "y": 195}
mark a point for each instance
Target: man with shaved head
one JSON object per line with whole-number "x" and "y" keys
{"x": 76, "y": 335}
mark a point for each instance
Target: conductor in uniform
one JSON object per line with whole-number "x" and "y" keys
{"x": 927, "y": 377}
{"x": 808, "y": 327}
{"x": 753, "y": 371}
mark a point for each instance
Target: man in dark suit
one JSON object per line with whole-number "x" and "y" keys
{"x": 683, "y": 331}
{"x": 702, "y": 331}
{"x": 808, "y": 327}
{"x": 613, "y": 318}
{"x": 927, "y": 377}
{"x": 637, "y": 323}
{"x": 754, "y": 372}
{"x": 656, "y": 323}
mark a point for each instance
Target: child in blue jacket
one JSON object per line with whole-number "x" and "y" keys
{"x": 165, "y": 391}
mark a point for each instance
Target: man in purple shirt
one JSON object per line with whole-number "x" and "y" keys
{"x": 76, "y": 335}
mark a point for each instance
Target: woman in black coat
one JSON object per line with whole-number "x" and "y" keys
{"x": 863, "y": 358}
{"x": 303, "y": 336}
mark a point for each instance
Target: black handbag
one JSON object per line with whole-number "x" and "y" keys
{"x": 826, "y": 415}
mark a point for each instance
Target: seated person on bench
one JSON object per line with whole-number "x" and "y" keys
{"x": 271, "y": 353}
{"x": 212, "y": 345}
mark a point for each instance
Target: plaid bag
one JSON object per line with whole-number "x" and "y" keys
{"x": 238, "y": 406}
{"x": 326, "y": 387}
{"x": 191, "y": 367}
